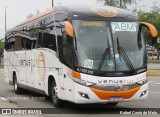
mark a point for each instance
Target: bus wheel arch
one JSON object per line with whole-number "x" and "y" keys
{"x": 17, "y": 89}
{"x": 52, "y": 91}
{"x": 50, "y": 80}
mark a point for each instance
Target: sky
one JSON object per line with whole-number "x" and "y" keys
{"x": 18, "y": 10}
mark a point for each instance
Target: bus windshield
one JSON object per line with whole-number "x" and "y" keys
{"x": 109, "y": 46}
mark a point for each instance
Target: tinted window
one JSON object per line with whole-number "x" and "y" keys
{"x": 46, "y": 36}
{"x": 9, "y": 44}
{"x": 28, "y": 44}
{"x": 67, "y": 50}
{"x": 19, "y": 43}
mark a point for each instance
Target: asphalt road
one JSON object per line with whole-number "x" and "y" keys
{"x": 8, "y": 99}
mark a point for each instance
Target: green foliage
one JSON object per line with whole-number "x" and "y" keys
{"x": 118, "y": 3}
{"x": 157, "y": 46}
{"x": 152, "y": 17}
{"x": 1, "y": 47}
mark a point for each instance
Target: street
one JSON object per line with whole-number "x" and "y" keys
{"x": 8, "y": 99}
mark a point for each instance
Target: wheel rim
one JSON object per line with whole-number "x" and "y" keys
{"x": 55, "y": 94}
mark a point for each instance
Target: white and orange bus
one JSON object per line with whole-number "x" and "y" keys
{"x": 79, "y": 54}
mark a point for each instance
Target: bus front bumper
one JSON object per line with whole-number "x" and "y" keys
{"x": 83, "y": 95}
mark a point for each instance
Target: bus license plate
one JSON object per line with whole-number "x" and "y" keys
{"x": 116, "y": 98}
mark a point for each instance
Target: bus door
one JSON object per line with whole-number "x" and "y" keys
{"x": 67, "y": 58}
{"x": 29, "y": 63}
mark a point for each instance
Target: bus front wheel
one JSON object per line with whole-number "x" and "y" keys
{"x": 17, "y": 89}
{"x": 54, "y": 96}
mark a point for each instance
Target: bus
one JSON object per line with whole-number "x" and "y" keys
{"x": 79, "y": 54}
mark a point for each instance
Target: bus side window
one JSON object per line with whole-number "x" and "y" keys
{"x": 6, "y": 43}
{"x": 23, "y": 43}
{"x": 34, "y": 44}
{"x": 60, "y": 33}
{"x": 18, "y": 43}
{"x": 67, "y": 49}
{"x": 39, "y": 43}
{"x": 46, "y": 36}
{"x": 49, "y": 40}
{"x": 10, "y": 44}
{"x": 28, "y": 44}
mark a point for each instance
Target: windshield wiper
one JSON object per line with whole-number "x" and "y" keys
{"x": 102, "y": 60}
{"x": 103, "y": 57}
{"x": 125, "y": 57}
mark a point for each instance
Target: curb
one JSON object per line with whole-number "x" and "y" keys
{"x": 153, "y": 61}
{"x": 153, "y": 72}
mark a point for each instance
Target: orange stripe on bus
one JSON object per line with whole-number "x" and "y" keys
{"x": 76, "y": 74}
{"x": 105, "y": 95}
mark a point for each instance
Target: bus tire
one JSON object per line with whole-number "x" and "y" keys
{"x": 112, "y": 103}
{"x": 17, "y": 89}
{"x": 54, "y": 96}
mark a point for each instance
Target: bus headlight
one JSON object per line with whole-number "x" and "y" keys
{"x": 83, "y": 82}
{"x": 76, "y": 77}
{"x": 142, "y": 82}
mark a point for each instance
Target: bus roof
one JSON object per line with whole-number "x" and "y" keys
{"x": 101, "y": 12}
{"x": 48, "y": 11}
{"x": 90, "y": 13}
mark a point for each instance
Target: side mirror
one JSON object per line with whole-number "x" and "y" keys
{"x": 69, "y": 28}
{"x": 151, "y": 28}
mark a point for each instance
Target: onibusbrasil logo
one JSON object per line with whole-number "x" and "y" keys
{"x": 107, "y": 12}
{"x": 41, "y": 66}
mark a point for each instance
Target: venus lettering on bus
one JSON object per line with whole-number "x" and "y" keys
{"x": 116, "y": 81}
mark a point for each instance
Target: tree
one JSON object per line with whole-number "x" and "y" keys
{"x": 152, "y": 17}
{"x": 157, "y": 46}
{"x": 118, "y": 3}
{"x": 1, "y": 47}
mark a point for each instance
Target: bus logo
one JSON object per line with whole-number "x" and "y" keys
{"x": 109, "y": 12}
{"x": 41, "y": 66}
{"x": 117, "y": 88}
